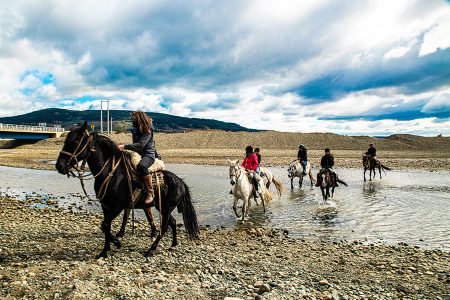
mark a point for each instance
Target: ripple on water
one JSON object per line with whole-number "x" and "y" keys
{"x": 401, "y": 207}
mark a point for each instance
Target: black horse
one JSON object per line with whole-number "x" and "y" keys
{"x": 112, "y": 188}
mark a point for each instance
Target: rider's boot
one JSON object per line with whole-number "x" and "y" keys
{"x": 150, "y": 195}
{"x": 255, "y": 184}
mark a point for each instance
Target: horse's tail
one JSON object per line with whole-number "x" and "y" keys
{"x": 267, "y": 196}
{"x": 384, "y": 167}
{"x": 341, "y": 181}
{"x": 189, "y": 215}
{"x": 278, "y": 185}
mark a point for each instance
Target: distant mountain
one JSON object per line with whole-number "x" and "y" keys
{"x": 121, "y": 120}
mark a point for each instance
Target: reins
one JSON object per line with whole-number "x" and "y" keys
{"x": 82, "y": 169}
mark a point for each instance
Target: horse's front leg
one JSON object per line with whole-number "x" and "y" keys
{"x": 244, "y": 208}
{"x": 149, "y": 215}
{"x": 365, "y": 169}
{"x": 106, "y": 228}
{"x": 126, "y": 215}
{"x": 292, "y": 182}
{"x": 311, "y": 178}
{"x": 235, "y": 200}
{"x": 164, "y": 226}
{"x": 379, "y": 170}
{"x": 300, "y": 181}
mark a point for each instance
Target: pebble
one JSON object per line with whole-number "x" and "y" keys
{"x": 265, "y": 288}
{"x": 323, "y": 282}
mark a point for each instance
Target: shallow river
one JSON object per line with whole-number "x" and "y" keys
{"x": 409, "y": 207}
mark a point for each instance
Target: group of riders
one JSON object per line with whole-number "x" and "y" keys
{"x": 327, "y": 161}
{"x": 144, "y": 144}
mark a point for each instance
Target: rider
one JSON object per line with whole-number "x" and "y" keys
{"x": 327, "y": 163}
{"x": 250, "y": 164}
{"x": 144, "y": 144}
{"x": 302, "y": 156}
{"x": 372, "y": 151}
{"x": 258, "y": 155}
{"x": 256, "y": 151}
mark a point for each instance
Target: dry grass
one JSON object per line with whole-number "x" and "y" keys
{"x": 277, "y": 148}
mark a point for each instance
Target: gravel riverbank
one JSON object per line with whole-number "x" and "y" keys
{"x": 48, "y": 253}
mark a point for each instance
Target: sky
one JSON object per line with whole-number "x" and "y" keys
{"x": 350, "y": 67}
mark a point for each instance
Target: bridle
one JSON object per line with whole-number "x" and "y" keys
{"x": 81, "y": 170}
{"x": 80, "y": 149}
{"x": 235, "y": 171}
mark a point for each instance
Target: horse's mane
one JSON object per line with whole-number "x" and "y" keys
{"x": 107, "y": 144}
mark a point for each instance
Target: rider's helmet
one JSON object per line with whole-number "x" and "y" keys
{"x": 301, "y": 146}
{"x": 371, "y": 145}
{"x": 256, "y": 150}
{"x": 327, "y": 150}
{"x": 249, "y": 149}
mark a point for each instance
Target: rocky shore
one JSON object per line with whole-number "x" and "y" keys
{"x": 48, "y": 253}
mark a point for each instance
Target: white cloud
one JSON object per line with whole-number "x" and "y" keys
{"x": 188, "y": 58}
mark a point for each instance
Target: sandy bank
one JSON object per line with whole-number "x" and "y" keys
{"x": 214, "y": 147}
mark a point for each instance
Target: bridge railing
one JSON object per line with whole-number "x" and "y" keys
{"x": 15, "y": 127}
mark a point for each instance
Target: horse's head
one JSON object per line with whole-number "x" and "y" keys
{"x": 234, "y": 171}
{"x": 76, "y": 148}
{"x": 293, "y": 168}
{"x": 365, "y": 160}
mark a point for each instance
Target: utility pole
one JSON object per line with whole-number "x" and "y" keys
{"x": 101, "y": 116}
{"x": 108, "y": 126}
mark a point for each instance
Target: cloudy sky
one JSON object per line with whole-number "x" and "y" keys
{"x": 349, "y": 67}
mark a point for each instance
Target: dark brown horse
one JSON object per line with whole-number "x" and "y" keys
{"x": 112, "y": 186}
{"x": 371, "y": 163}
{"x": 328, "y": 183}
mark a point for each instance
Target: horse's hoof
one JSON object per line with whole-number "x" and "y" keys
{"x": 120, "y": 234}
{"x": 102, "y": 254}
{"x": 149, "y": 253}
{"x": 172, "y": 247}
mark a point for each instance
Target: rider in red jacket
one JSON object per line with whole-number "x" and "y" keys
{"x": 250, "y": 163}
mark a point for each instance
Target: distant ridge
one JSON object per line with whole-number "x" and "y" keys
{"x": 121, "y": 119}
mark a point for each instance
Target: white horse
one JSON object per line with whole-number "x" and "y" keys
{"x": 268, "y": 179}
{"x": 296, "y": 170}
{"x": 242, "y": 188}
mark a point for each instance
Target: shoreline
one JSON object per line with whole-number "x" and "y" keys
{"x": 56, "y": 248}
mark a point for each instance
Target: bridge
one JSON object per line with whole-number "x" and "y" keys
{"x": 27, "y": 132}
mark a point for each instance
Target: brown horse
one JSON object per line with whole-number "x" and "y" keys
{"x": 371, "y": 163}
{"x": 328, "y": 183}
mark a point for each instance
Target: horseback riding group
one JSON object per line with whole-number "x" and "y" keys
{"x": 133, "y": 176}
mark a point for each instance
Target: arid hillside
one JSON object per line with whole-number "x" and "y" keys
{"x": 278, "y": 148}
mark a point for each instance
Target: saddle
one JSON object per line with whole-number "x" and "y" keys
{"x": 132, "y": 159}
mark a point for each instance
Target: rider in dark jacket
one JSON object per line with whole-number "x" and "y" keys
{"x": 372, "y": 151}
{"x": 302, "y": 156}
{"x": 327, "y": 163}
{"x": 144, "y": 144}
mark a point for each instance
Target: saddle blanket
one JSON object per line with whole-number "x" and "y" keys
{"x": 135, "y": 158}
